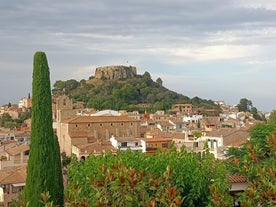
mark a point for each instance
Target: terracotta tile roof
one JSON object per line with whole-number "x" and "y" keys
{"x": 92, "y": 139}
{"x": 17, "y": 149}
{"x": 155, "y": 132}
{"x": 236, "y": 138}
{"x": 221, "y": 132}
{"x": 96, "y": 147}
{"x": 22, "y": 134}
{"x": 144, "y": 129}
{"x": 237, "y": 179}
{"x": 211, "y": 120}
{"x": 176, "y": 119}
{"x": 151, "y": 122}
{"x": 127, "y": 139}
{"x": 161, "y": 139}
{"x": 78, "y": 134}
{"x": 178, "y": 122}
{"x": 182, "y": 104}
{"x": 12, "y": 176}
{"x": 8, "y": 142}
{"x": 165, "y": 123}
{"x": 100, "y": 119}
{"x": 178, "y": 135}
{"x": 231, "y": 137}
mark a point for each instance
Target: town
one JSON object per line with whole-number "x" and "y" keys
{"x": 84, "y": 131}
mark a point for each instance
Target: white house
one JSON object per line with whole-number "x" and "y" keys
{"x": 192, "y": 119}
{"x": 125, "y": 143}
{"x": 215, "y": 144}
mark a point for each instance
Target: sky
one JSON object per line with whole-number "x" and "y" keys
{"x": 214, "y": 49}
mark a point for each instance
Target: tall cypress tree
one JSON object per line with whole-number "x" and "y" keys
{"x": 44, "y": 166}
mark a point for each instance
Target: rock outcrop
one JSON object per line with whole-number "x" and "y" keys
{"x": 115, "y": 72}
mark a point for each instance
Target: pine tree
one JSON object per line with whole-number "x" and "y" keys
{"x": 44, "y": 167}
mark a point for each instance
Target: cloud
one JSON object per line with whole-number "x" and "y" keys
{"x": 82, "y": 72}
{"x": 157, "y": 35}
{"x": 258, "y": 4}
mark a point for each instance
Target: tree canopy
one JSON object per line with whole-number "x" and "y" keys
{"x": 244, "y": 105}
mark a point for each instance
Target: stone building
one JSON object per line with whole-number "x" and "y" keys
{"x": 182, "y": 108}
{"x": 85, "y": 129}
{"x": 74, "y": 131}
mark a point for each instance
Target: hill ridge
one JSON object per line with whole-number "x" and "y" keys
{"x": 120, "y": 87}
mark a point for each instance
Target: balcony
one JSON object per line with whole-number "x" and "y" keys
{"x": 132, "y": 148}
{"x": 151, "y": 149}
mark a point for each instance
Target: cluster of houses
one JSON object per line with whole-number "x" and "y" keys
{"x": 82, "y": 132}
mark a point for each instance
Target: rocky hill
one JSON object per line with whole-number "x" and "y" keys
{"x": 120, "y": 87}
{"x": 115, "y": 72}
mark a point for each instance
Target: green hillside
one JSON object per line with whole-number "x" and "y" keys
{"x": 137, "y": 93}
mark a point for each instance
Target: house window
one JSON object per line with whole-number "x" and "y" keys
{"x": 136, "y": 144}
{"x": 212, "y": 144}
{"x": 89, "y": 125}
{"x": 101, "y": 124}
{"x": 122, "y": 124}
{"x": 195, "y": 144}
{"x": 76, "y": 125}
{"x": 111, "y": 124}
{"x": 17, "y": 189}
{"x": 131, "y": 124}
{"x": 149, "y": 145}
{"x": 124, "y": 144}
{"x": 165, "y": 145}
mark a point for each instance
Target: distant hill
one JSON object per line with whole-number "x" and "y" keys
{"x": 120, "y": 87}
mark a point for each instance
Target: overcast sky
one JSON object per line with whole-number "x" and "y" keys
{"x": 213, "y": 49}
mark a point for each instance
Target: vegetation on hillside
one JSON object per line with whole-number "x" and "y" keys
{"x": 7, "y": 121}
{"x": 126, "y": 94}
{"x": 44, "y": 165}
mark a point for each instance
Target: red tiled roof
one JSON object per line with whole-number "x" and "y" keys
{"x": 96, "y": 147}
{"x": 100, "y": 119}
{"x": 179, "y": 135}
{"x": 17, "y": 149}
{"x": 144, "y": 129}
{"x": 8, "y": 142}
{"x": 127, "y": 139}
{"x": 231, "y": 137}
{"x": 78, "y": 134}
{"x": 165, "y": 123}
{"x": 12, "y": 176}
{"x": 157, "y": 140}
